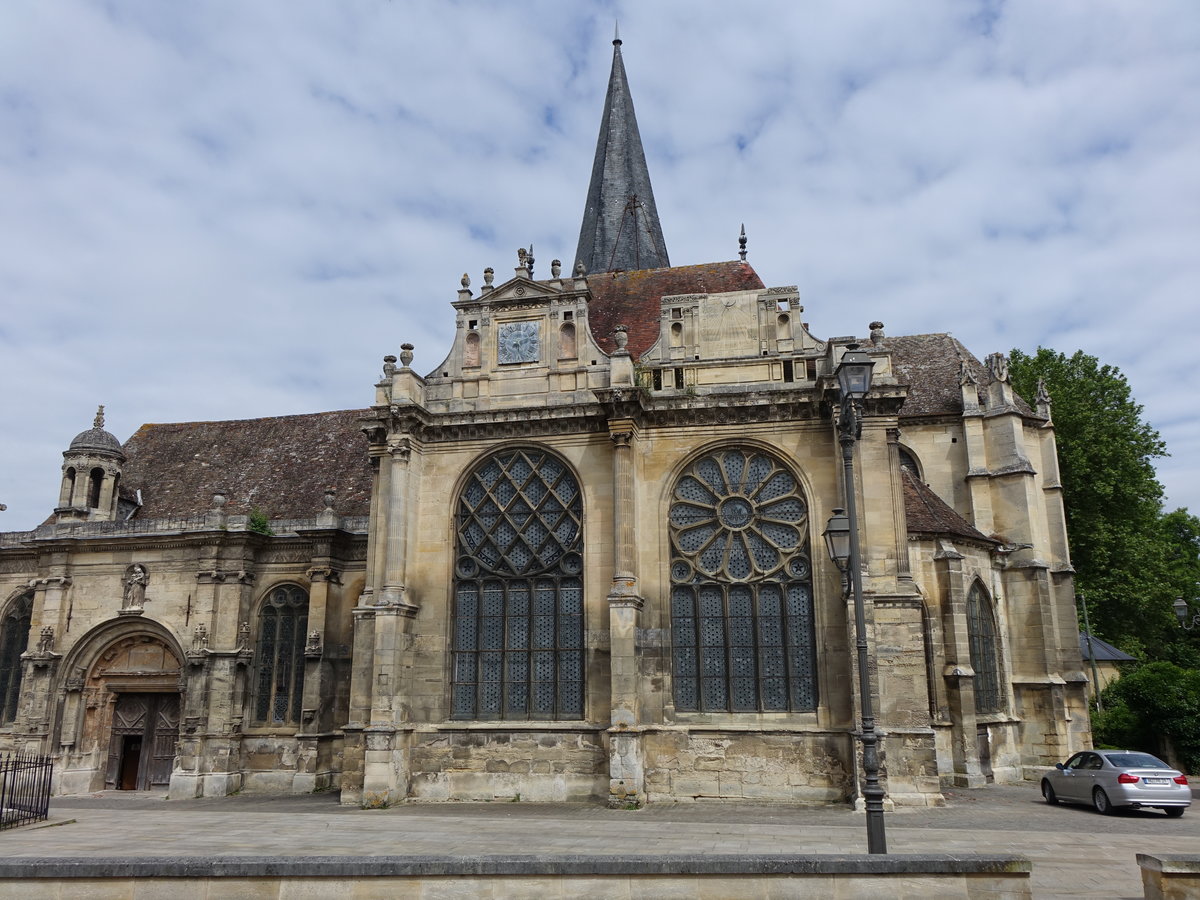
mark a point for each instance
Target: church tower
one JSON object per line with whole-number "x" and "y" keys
{"x": 621, "y": 231}
{"x": 91, "y": 475}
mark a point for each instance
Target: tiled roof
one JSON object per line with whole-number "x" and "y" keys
{"x": 931, "y": 364}
{"x": 927, "y": 513}
{"x": 280, "y": 466}
{"x": 631, "y": 298}
{"x": 1105, "y": 652}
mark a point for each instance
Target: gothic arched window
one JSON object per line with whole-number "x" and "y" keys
{"x": 909, "y": 461}
{"x": 14, "y": 635}
{"x": 741, "y": 587}
{"x": 981, "y": 634}
{"x": 282, "y": 631}
{"x": 518, "y": 590}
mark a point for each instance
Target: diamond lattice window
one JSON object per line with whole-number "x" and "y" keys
{"x": 518, "y": 591}
{"x": 14, "y": 634}
{"x": 741, "y": 587}
{"x": 981, "y": 633}
{"x": 283, "y": 627}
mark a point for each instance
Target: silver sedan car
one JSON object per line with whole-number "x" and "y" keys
{"x": 1108, "y": 779}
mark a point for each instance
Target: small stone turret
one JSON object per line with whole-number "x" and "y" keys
{"x": 91, "y": 475}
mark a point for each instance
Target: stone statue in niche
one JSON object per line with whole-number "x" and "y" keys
{"x": 135, "y": 581}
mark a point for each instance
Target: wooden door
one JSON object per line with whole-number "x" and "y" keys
{"x": 141, "y": 746}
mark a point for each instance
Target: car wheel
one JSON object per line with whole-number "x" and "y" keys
{"x": 1048, "y": 793}
{"x": 1174, "y": 811}
{"x": 1101, "y": 802}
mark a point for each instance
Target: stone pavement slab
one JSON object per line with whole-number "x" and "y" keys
{"x": 1075, "y": 852}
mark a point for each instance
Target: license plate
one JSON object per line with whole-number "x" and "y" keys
{"x": 1156, "y": 781}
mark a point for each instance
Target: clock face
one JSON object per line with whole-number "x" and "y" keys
{"x": 519, "y": 342}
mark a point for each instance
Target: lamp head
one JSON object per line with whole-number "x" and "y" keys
{"x": 837, "y": 537}
{"x": 1181, "y": 609}
{"x": 854, "y": 372}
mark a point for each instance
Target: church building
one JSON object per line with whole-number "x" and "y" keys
{"x": 579, "y": 559}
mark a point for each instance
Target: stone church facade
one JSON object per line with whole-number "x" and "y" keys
{"x": 579, "y": 559}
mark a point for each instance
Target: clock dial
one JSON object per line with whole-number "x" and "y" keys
{"x": 519, "y": 342}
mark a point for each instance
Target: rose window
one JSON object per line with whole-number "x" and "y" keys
{"x": 741, "y": 596}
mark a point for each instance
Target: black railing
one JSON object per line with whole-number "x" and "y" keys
{"x": 24, "y": 789}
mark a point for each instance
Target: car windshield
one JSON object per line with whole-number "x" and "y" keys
{"x": 1136, "y": 761}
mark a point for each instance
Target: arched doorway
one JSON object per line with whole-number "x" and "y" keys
{"x": 132, "y": 703}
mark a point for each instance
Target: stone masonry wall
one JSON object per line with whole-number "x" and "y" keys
{"x": 510, "y": 765}
{"x": 788, "y": 766}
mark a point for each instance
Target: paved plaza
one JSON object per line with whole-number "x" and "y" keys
{"x": 1075, "y": 852}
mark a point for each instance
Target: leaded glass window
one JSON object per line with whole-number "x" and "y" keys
{"x": 282, "y": 630}
{"x": 14, "y": 635}
{"x": 518, "y": 591}
{"x": 981, "y": 633}
{"x": 741, "y": 587}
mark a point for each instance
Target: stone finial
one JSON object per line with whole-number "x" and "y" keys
{"x": 621, "y": 336}
{"x": 965, "y": 374}
{"x": 489, "y": 275}
{"x": 556, "y": 268}
{"x": 997, "y": 364}
{"x": 522, "y": 258}
{"x": 529, "y": 258}
{"x": 406, "y": 354}
{"x": 389, "y": 367}
{"x": 219, "y": 499}
{"x": 329, "y": 496}
{"x": 580, "y": 269}
{"x": 742, "y": 243}
{"x": 877, "y": 334}
{"x": 465, "y": 281}
{"x": 98, "y": 422}
{"x": 1043, "y": 399}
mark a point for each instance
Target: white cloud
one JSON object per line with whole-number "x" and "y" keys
{"x": 228, "y": 209}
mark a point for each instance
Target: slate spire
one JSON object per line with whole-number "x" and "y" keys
{"x": 620, "y": 229}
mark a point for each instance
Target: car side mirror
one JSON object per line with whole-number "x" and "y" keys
{"x": 1059, "y": 766}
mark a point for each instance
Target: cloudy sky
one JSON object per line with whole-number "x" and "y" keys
{"x": 218, "y": 210}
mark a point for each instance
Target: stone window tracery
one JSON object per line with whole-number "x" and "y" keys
{"x": 14, "y": 635}
{"x": 279, "y": 657}
{"x": 981, "y": 634}
{"x": 743, "y": 632}
{"x": 518, "y": 648}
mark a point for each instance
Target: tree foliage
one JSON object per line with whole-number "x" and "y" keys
{"x": 1112, "y": 495}
{"x": 1158, "y": 700}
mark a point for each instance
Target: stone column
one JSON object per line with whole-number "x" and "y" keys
{"x": 376, "y": 527}
{"x": 361, "y": 692}
{"x": 396, "y": 551}
{"x": 626, "y": 751}
{"x": 899, "y": 518}
{"x": 385, "y": 754}
{"x": 311, "y": 772}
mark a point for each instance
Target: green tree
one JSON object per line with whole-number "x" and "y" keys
{"x": 1181, "y": 575}
{"x": 1112, "y": 496}
{"x": 1156, "y": 701}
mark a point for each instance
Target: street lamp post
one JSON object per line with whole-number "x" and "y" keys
{"x": 1181, "y": 613}
{"x": 841, "y": 538}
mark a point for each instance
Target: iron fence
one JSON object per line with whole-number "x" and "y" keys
{"x": 24, "y": 789}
